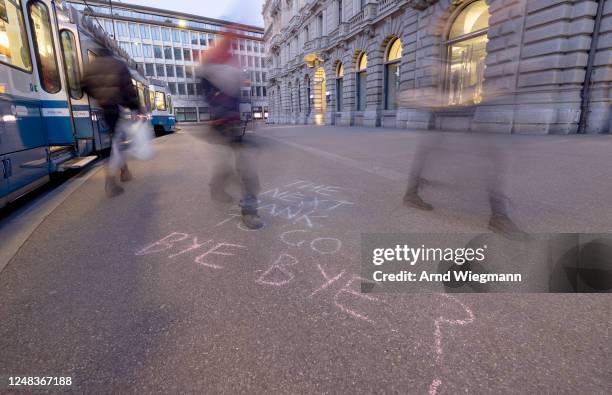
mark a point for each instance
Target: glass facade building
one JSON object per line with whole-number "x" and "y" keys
{"x": 169, "y": 46}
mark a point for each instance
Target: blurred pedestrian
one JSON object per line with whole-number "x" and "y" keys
{"x": 107, "y": 79}
{"x": 221, "y": 78}
{"x": 437, "y": 145}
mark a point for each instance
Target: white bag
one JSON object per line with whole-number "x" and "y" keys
{"x": 139, "y": 135}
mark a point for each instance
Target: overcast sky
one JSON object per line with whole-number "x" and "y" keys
{"x": 242, "y": 11}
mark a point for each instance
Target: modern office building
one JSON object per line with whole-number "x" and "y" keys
{"x": 493, "y": 65}
{"x": 169, "y": 44}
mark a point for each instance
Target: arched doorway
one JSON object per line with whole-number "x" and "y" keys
{"x": 320, "y": 89}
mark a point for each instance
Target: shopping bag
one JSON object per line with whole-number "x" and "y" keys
{"x": 139, "y": 136}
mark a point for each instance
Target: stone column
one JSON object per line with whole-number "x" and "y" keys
{"x": 374, "y": 103}
{"x": 407, "y": 68}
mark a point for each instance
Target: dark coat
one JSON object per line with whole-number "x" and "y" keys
{"x": 108, "y": 81}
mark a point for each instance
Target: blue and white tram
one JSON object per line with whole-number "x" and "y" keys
{"x": 47, "y": 123}
{"x": 162, "y": 111}
{"x": 35, "y": 118}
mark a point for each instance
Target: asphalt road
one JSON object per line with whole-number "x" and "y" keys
{"x": 161, "y": 290}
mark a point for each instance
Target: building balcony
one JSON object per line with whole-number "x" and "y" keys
{"x": 274, "y": 72}
{"x": 357, "y": 19}
{"x": 294, "y": 23}
{"x": 316, "y": 45}
{"x": 386, "y": 5}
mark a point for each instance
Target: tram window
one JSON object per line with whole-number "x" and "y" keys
{"x": 14, "y": 48}
{"x": 141, "y": 96}
{"x": 91, "y": 56}
{"x": 160, "y": 101}
{"x": 45, "y": 47}
{"x": 170, "y": 110}
{"x": 71, "y": 61}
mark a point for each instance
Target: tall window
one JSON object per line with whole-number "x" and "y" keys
{"x": 178, "y": 54}
{"x": 361, "y": 77}
{"x": 299, "y": 94}
{"x": 134, "y": 31}
{"x": 14, "y": 47}
{"x": 155, "y": 33}
{"x": 157, "y": 51}
{"x": 149, "y": 70}
{"x": 392, "y": 74}
{"x": 176, "y": 35}
{"x": 166, "y": 35}
{"x": 145, "y": 32}
{"x": 339, "y": 11}
{"x": 290, "y": 98}
{"x": 169, "y": 70}
{"x": 308, "y": 94}
{"x": 147, "y": 50}
{"x": 45, "y": 47}
{"x": 71, "y": 63}
{"x": 339, "y": 87}
{"x": 467, "y": 50}
{"x": 122, "y": 30}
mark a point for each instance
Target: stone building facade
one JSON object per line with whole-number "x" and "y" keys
{"x": 510, "y": 66}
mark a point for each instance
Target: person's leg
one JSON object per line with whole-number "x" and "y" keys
{"x": 499, "y": 202}
{"x": 222, "y": 170}
{"x": 246, "y": 167}
{"x": 116, "y": 162}
{"x": 424, "y": 150}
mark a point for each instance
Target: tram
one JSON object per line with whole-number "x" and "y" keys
{"x": 47, "y": 123}
{"x": 162, "y": 111}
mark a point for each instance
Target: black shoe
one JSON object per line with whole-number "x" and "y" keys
{"x": 415, "y": 201}
{"x": 112, "y": 188}
{"x": 252, "y": 221}
{"x": 126, "y": 175}
{"x": 502, "y": 224}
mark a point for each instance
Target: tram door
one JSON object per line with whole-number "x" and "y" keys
{"x": 79, "y": 102}
{"x": 55, "y": 106}
{"x": 23, "y": 151}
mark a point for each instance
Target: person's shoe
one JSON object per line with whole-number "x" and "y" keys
{"x": 502, "y": 224}
{"x": 252, "y": 221}
{"x": 221, "y": 196}
{"x": 112, "y": 188}
{"x": 415, "y": 201}
{"x": 126, "y": 175}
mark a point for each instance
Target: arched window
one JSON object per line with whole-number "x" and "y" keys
{"x": 339, "y": 86}
{"x": 361, "y": 77}
{"x": 309, "y": 96}
{"x": 467, "y": 50}
{"x": 392, "y": 74}
{"x": 299, "y": 95}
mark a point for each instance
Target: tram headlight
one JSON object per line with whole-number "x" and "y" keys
{"x": 9, "y": 118}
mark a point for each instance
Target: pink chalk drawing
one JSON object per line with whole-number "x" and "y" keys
{"x": 214, "y": 251}
{"x": 438, "y": 335}
{"x": 194, "y": 246}
{"x": 163, "y": 244}
{"x": 280, "y": 266}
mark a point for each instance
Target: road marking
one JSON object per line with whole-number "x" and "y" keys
{"x": 355, "y": 164}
